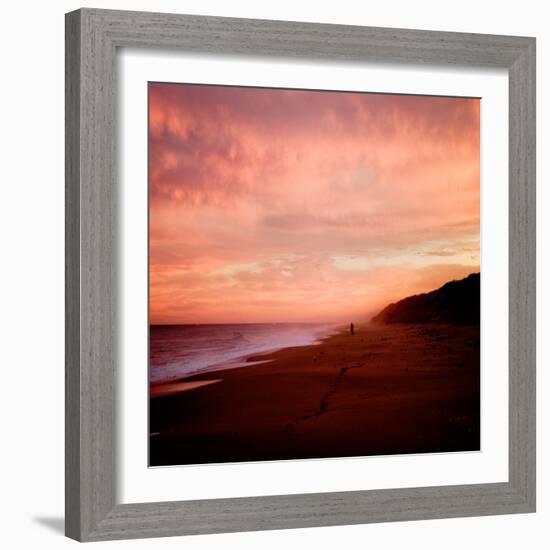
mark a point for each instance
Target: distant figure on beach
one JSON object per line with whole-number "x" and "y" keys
{"x": 351, "y": 329}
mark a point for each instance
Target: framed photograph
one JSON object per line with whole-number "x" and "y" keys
{"x": 300, "y": 275}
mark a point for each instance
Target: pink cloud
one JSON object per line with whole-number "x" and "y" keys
{"x": 244, "y": 176}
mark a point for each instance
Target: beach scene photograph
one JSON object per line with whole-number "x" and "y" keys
{"x": 314, "y": 274}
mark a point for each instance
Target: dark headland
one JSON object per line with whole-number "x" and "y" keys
{"x": 406, "y": 383}
{"x": 456, "y": 303}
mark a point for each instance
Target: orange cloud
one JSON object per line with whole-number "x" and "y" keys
{"x": 290, "y": 205}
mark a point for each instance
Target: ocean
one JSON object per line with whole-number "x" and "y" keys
{"x": 179, "y": 351}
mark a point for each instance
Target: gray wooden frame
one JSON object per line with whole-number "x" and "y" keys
{"x": 92, "y": 38}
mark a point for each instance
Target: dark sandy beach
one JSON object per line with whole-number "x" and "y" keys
{"x": 389, "y": 389}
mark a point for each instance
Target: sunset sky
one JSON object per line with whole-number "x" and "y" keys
{"x": 270, "y": 205}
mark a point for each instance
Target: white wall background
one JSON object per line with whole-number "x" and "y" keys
{"x": 31, "y": 303}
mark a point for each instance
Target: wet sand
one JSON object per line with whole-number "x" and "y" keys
{"x": 389, "y": 389}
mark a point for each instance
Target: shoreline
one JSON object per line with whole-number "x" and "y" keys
{"x": 245, "y": 359}
{"x": 386, "y": 390}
